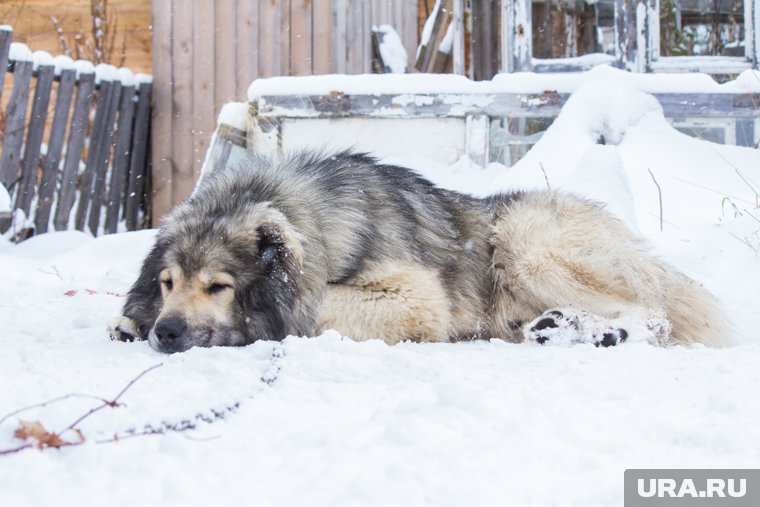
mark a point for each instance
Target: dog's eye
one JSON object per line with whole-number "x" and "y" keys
{"x": 217, "y": 287}
{"x": 168, "y": 284}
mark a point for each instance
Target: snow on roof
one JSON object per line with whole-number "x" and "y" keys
{"x": 519, "y": 82}
{"x": 20, "y": 52}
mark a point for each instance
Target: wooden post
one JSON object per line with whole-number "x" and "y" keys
{"x": 6, "y": 37}
{"x": 162, "y": 132}
{"x": 45, "y": 74}
{"x": 137, "y": 166}
{"x": 340, "y": 39}
{"x": 121, "y": 154}
{"x": 203, "y": 81}
{"x": 270, "y": 48}
{"x": 15, "y": 123}
{"x": 104, "y": 156}
{"x": 458, "y": 49}
{"x": 182, "y": 156}
{"x": 67, "y": 193}
{"x": 246, "y": 62}
{"x": 50, "y": 168}
{"x": 483, "y": 56}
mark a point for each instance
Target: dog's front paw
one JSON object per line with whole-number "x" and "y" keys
{"x": 124, "y": 329}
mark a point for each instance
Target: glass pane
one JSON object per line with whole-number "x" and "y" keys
{"x": 702, "y": 28}
{"x": 569, "y": 28}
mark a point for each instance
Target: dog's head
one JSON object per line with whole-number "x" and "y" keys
{"x": 215, "y": 279}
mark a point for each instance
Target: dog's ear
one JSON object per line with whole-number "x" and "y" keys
{"x": 144, "y": 299}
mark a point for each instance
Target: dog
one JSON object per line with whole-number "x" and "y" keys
{"x": 307, "y": 242}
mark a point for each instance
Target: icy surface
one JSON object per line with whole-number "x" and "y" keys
{"x": 345, "y": 423}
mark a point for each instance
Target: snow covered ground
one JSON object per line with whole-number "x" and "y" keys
{"x": 326, "y": 421}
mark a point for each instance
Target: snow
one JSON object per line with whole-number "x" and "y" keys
{"x": 5, "y": 199}
{"x": 126, "y": 76}
{"x": 6, "y": 28}
{"x": 392, "y": 50}
{"x": 327, "y": 421}
{"x": 234, "y": 114}
{"x": 105, "y": 72}
{"x": 41, "y": 58}
{"x": 519, "y": 82}
{"x": 19, "y": 52}
{"x": 143, "y": 78}
{"x": 84, "y": 67}
{"x": 63, "y": 62}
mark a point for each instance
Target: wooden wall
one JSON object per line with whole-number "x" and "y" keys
{"x": 207, "y": 52}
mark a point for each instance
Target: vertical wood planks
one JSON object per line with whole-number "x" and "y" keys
{"x": 40, "y": 102}
{"x": 323, "y": 53}
{"x": 182, "y": 101}
{"x": 14, "y": 127}
{"x": 121, "y": 155}
{"x": 226, "y": 48}
{"x": 6, "y": 36}
{"x": 162, "y": 131}
{"x": 300, "y": 37}
{"x": 341, "y": 36}
{"x": 140, "y": 144}
{"x": 203, "y": 114}
{"x": 99, "y": 130}
{"x": 99, "y": 170}
{"x": 244, "y": 59}
{"x": 55, "y": 147}
{"x": 270, "y": 47}
{"x": 67, "y": 193}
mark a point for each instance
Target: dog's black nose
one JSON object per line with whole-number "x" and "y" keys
{"x": 169, "y": 330}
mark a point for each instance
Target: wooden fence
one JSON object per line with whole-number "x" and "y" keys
{"x": 207, "y": 52}
{"x": 91, "y": 161}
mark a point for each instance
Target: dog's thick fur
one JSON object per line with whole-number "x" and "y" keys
{"x": 305, "y": 243}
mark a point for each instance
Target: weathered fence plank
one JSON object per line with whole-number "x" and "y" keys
{"x": 99, "y": 131}
{"x": 323, "y": 49}
{"x": 163, "y": 114}
{"x": 246, "y": 63}
{"x": 45, "y": 74}
{"x": 15, "y": 123}
{"x": 182, "y": 181}
{"x": 300, "y": 37}
{"x": 77, "y": 131}
{"x": 6, "y": 37}
{"x": 121, "y": 153}
{"x": 104, "y": 154}
{"x": 140, "y": 143}
{"x": 55, "y": 148}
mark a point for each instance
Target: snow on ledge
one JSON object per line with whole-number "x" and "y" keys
{"x": 5, "y": 199}
{"x": 6, "y": 28}
{"x": 519, "y": 82}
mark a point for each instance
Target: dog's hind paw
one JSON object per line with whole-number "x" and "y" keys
{"x": 567, "y": 326}
{"x": 124, "y": 329}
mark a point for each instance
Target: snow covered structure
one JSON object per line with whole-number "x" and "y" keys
{"x": 443, "y": 117}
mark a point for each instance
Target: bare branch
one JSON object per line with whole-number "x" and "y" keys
{"x": 659, "y": 193}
